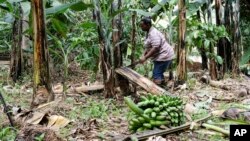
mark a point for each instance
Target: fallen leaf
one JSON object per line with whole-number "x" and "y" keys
{"x": 218, "y": 112}
{"x": 52, "y": 119}
{"x": 60, "y": 122}
{"x": 36, "y": 118}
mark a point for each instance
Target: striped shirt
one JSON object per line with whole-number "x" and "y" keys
{"x": 156, "y": 39}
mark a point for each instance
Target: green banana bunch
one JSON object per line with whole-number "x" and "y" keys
{"x": 154, "y": 111}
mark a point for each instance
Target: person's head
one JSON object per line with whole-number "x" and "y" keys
{"x": 145, "y": 23}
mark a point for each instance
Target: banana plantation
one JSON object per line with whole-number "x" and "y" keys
{"x": 152, "y": 70}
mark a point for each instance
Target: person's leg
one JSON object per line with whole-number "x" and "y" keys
{"x": 165, "y": 65}
{"x": 156, "y": 72}
{"x": 159, "y": 69}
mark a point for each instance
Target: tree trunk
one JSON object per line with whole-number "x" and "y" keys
{"x": 181, "y": 51}
{"x": 209, "y": 9}
{"x": 117, "y": 57}
{"x": 105, "y": 53}
{"x": 27, "y": 54}
{"x": 16, "y": 63}
{"x": 227, "y": 23}
{"x": 133, "y": 39}
{"x": 133, "y": 43}
{"x": 42, "y": 84}
{"x": 222, "y": 44}
{"x": 212, "y": 63}
{"x": 202, "y": 49}
{"x": 236, "y": 40}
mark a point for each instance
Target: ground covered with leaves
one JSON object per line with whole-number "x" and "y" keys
{"x": 89, "y": 116}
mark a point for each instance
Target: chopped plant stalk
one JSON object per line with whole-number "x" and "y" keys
{"x": 215, "y": 128}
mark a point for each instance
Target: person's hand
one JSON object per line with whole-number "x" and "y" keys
{"x": 142, "y": 60}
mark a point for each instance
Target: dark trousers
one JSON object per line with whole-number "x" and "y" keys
{"x": 159, "y": 68}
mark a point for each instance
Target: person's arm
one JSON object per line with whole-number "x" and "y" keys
{"x": 149, "y": 54}
{"x": 155, "y": 42}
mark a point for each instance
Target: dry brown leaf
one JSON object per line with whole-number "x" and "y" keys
{"x": 36, "y": 118}
{"x": 44, "y": 105}
{"x": 60, "y": 122}
{"x": 218, "y": 112}
{"x": 52, "y": 119}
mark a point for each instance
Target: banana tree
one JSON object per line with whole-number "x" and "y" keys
{"x": 236, "y": 37}
{"x": 41, "y": 75}
{"x": 14, "y": 14}
{"x": 181, "y": 50}
{"x": 108, "y": 23}
{"x": 16, "y": 64}
{"x": 229, "y": 51}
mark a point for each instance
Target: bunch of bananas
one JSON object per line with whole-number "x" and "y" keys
{"x": 154, "y": 111}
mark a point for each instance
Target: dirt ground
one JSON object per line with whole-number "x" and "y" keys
{"x": 92, "y": 117}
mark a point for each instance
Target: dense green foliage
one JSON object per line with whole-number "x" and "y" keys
{"x": 72, "y": 30}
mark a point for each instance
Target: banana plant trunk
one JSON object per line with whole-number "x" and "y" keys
{"x": 220, "y": 45}
{"x": 133, "y": 43}
{"x": 16, "y": 62}
{"x": 133, "y": 38}
{"x": 181, "y": 51}
{"x": 212, "y": 62}
{"x": 236, "y": 37}
{"x": 117, "y": 37}
{"x": 232, "y": 48}
{"x": 223, "y": 42}
{"x": 202, "y": 49}
{"x": 42, "y": 90}
{"x": 26, "y": 48}
{"x": 227, "y": 24}
{"x": 105, "y": 56}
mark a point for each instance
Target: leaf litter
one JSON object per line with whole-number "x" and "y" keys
{"x": 54, "y": 117}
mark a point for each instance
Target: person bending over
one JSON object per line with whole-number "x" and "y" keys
{"x": 156, "y": 48}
